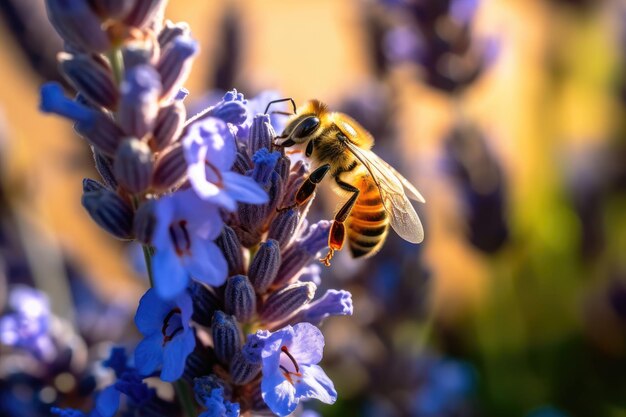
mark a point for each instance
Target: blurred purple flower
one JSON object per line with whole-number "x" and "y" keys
{"x": 447, "y": 386}
{"x": 27, "y": 325}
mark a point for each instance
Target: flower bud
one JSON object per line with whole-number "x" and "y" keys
{"x": 199, "y": 363}
{"x": 243, "y": 163}
{"x": 303, "y": 252}
{"x": 264, "y": 266}
{"x": 261, "y": 133}
{"x": 92, "y": 185}
{"x": 110, "y": 212}
{"x": 264, "y": 163}
{"x": 253, "y": 218}
{"x": 205, "y": 303}
{"x": 283, "y": 165}
{"x": 172, "y": 31}
{"x": 102, "y": 133}
{"x": 77, "y": 23}
{"x": 170, "y": 168}
{"x": 92, "y": 79}
{"x": 139, "y": 104}
{"x": 253, "y": 348}
{"x": 226, "y": 336}
{"x": 332, "y": 303}
{"x": 169, "y": 124}
{"x": 133, "y": 165}
{"x": 104, "y": 166}
{"x": 145, "y": 222}
{"x": 230, "y": 109}
{"x": 143, "y": 12}
{"x": 98, "y": 128}
{"x": 231, "y": 248}
{"x": 283, "y": 303}
{"x": 175, "y": 63}
{"x": 284, "y": 226}
{"x": 239, "y": 298}
{"x": 242, "y": 371}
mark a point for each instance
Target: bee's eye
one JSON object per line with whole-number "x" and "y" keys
{"x": 306, "y": 127}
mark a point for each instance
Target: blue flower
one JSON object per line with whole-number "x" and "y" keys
{"x": 210, "y": 152}
{"x": 290, "y": 371}
{"x": 27, "y": 326}
{"x": 183, "y": 239}
{"x": 332, "y": 303}
{"x": 168, "y": 338}
{"x": 210, "y": 393}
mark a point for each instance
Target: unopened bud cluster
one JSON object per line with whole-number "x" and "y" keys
{"x": 127, "y": 68}
{"x": 211, "y": 199}
{"x": 267, "y": 248}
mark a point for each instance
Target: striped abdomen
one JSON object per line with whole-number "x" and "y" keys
{"x": 368, "y": 223}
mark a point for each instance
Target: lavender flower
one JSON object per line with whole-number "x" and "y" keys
{"x": 210, "y": 151}
{"x": 177, "y": 186}
{"x": 290, "y": 370}
{"x": 168, "y": 338}
{"x": 450, "y": 57}
{"x": 27, "y": 326}
{"x": 183, "y": 240}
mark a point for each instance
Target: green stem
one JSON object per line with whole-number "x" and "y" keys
{"x": 117, "y": 64}
{"x": 184, "y": 396}
{"x": 147, "y": 256}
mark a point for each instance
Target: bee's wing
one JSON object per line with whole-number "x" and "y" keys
{"x": 392, "y": 188}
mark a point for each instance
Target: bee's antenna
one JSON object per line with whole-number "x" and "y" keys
{"x": 293, "y": 104}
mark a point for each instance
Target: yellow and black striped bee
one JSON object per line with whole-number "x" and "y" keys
{"x": 378, "y": 195}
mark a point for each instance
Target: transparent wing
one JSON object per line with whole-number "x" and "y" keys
{"x": 392, "y": 186}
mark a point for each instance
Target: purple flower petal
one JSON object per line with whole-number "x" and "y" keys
{"x": 244, "y": 189}
{"x": 175, "y": 355}
{"x": 207, "y": 263}
{"x": 108, "y": 402}
{"x": 150, "y": 313}
{"x": 148, "y": 354}
{"x": 279, "y": 394}
{"x": 316, "y": 384}
{"x": 307, "y": 344}
{"x": 170, "y": 278}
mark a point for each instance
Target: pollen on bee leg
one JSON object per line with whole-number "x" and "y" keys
{"x": 336, "y": 237}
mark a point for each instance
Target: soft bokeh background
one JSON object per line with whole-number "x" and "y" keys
{"x": 522, "y": 292}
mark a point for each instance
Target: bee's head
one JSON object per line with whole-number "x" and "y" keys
{"x": 299, "y": 130}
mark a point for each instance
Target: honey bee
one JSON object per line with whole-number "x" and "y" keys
{"x": 378, "y": 196}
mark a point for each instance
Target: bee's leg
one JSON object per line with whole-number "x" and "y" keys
{"x": 337, "y": 234}
{"x": 307, "y": 188}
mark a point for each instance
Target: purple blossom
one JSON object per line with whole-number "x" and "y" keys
{"x": 27, "y": 325}
{"x": 210, "y": 152}
{"x": 168, "y": 338}
{"x": 290, "y": 371}
{"x": 183, "y": 239}
{"x": 332, "y": 303}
